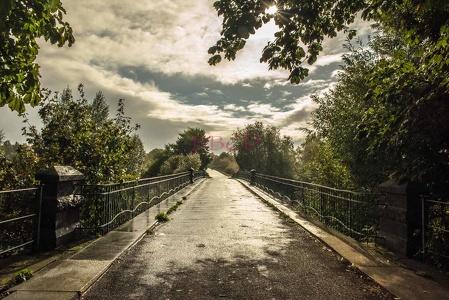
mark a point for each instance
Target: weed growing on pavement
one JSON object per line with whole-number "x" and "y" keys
{"x": 162, "y": 217}
{"x": 271, "y": 205}
{"x": 19, "y": 277}
{"x": 22, "y": 275}
{"x": 353, "y": 267}
{"x": 174, "y": 207}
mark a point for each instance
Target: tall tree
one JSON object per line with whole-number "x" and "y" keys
{"x": 193, "y": 140}
{"x": 21, "y": 24}
{"x": 387, "y": 115}
{"x": 104, "y": 152}
{"x": 263, "y": 148}
{"x": 99, "y": 108}
{"x": 318, "y": 163}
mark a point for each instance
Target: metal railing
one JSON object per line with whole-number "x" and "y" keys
{"x": 107, "y": 206}
{"x": 19, "y": 222}
{"x": 353, "y": 214}
{"x": 435, "y": 231}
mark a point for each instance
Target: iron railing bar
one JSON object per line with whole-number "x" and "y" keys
{"x": 20, "y": 190}
{"x": 143, "y": 202}
{"x": 310, "y": 184}
{"x": 16, "y": 219}
{"x": 164, "y": 177}
{"x": 436, "y": 202}
{"x": 133, "y": 187}
{"x": 16, "y": 247}
{"x": 311, "y": 187}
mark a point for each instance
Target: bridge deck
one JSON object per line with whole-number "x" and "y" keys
{"x": 223, "y": 242}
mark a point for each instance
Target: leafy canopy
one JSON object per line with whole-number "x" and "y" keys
{"x": 261, "y": 147}
{"x": 106, "y": 151}
{"x": 303, "y": 25}
{"x": 21, "y": 24}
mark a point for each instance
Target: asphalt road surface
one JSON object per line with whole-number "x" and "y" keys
{"x": 224, "y": 243}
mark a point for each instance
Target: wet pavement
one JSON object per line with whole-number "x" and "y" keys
{"x": 225, "y": 243}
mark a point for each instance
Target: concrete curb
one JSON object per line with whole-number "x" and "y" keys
{"x": 402, "y": 282}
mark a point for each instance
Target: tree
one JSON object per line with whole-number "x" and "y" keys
{"x": 225, "y": 162}
{"x": 262, "y": 148}
{"x": 21, "y": 24}
{"x": 104, "y": 152}
{"x": 99, "y": 109}
{"x": 193, "y": 140}
{"x": 303, "y": 25}
{"x": 180, "y": 163}
{"x": 387, "y": 114}
{"x": 19, "y": 170}
{"x": 339, "y": 115}
{"x": 319, "y": 164}
{"x": 158, "y": 158}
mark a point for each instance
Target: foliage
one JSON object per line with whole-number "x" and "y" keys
{"x": 104, "y": 152}
{"x": 174, "y": 207}
{"x": 262, "y": 148}
{"x": 99, "y": 109}
{"x": 339, "y": 114}
{"x": 155, "y": 163}
{"x": 189, "y": 151}
{"x": 21, "y": 24}
{"x": 303, "y": 25}
{"x": 387, "y": 115}
{"x": 319, "y": 164}
{"x": 180, "y": 163}
{"x": 22, "y": 276}
{"x": 19, "y": 170}
{"x": 225, "y": 163}
{"x": 171, "y": 164}
{"x": 162, "y": 217}
{"x": 193, "y": 140}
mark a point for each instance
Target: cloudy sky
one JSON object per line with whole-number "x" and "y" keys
{"x": 153, "y": 53}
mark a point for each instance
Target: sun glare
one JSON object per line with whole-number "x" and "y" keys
{"x": 272, "y": 9}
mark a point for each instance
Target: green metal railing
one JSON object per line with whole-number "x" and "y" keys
{"x": 353, "y": 214}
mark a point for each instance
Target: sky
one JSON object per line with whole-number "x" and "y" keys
{"x": 153, "y": 54}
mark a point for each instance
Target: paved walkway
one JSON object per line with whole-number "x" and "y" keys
{"x": 223, "y": 243}
{"x": 67, "y": 278}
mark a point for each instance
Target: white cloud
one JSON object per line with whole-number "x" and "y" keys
{"x": 234, "y": 107}
{"x": 170, "y": 38}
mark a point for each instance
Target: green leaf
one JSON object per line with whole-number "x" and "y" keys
{"x": 212, "y": 50}
{"x": 214, "y": 60}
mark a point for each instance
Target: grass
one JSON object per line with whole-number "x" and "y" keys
{"x": 174, "y": 207}
{"x": 19, "y": 277}
{"x": 162, "y": 217}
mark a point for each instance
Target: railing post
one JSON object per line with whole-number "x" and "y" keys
{"x": 401, "y": 217}
{"x": 37, "y": 226}
{"x": 423, "y": 226}
{"x": 191, "y": 175}
{"x": 60, "y": 207}
{"x": 253, "y": 177}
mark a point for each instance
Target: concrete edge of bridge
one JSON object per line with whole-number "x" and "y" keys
{"x": 403, "y": 277}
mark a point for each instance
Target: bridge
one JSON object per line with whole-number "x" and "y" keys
{"x": 227, "y": 239}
